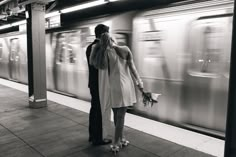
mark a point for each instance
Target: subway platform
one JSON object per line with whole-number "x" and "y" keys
{"x": 61, "y": 131}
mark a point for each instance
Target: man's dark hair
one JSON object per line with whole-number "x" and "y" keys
{"x": 99, "y": 29}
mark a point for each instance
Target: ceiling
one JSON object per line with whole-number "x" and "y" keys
{"x": 11, "y": 12}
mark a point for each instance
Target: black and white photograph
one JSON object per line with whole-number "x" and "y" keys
{"x": 117, "y": 78}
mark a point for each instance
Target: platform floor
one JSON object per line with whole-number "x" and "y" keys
{"x": 61, "y": 131}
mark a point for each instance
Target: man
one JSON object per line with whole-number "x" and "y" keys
{"x": 95, "y": 115}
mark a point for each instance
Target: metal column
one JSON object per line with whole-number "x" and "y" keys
{"x": 36, "y": 55}
{"x": 230, "y": 140}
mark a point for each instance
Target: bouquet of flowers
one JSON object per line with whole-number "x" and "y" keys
{"x": 149, "y": 98}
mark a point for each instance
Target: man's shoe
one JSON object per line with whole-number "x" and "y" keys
{"x": 103, "y": 142}
{"x": 107, "y": 141}
{"x": 90, "y": 139}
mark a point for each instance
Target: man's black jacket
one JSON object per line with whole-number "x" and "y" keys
{"x": 93, "y": 72}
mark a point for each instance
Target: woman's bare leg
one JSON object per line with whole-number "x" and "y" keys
{"x": 119, "y": 119}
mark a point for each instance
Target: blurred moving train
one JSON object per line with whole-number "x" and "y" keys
{"x": 181, "y": 51}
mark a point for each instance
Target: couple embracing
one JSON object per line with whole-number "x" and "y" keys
{"x": 111, "y": 68}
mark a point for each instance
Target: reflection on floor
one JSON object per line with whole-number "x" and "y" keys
{"x": 62, "y": 131}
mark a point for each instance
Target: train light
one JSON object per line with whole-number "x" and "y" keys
{"x": 5, "y": 26}
{"x": 18, "y": 23}
{"x": 55, "y": 13}
{"x": 113, "y": 0}
{"x": 84, "y": 6}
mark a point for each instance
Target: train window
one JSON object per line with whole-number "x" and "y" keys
{"x": 14, "y": 49}
{"x": 210, "y": 54}
{"x": 60, "y": 49}
{"x": 207, "y": 45}
{"x": 154, "y": 42}
{"x": 87, "y": 36}
{"x": 122, "y": 39}
{"x": 71, "y": 54}
{"x": 153, "y": 50}
{"x": 154, "y": 55}
{"x": 228, "y": 48}
{"x": 73, "y": 40}
{"x": 0, "y": 50}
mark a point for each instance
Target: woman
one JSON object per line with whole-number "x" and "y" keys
{"x": 115, "y": 64}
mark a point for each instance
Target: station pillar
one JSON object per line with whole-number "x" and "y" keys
{"x": 230, "y": 137}
{"x": 36, "y": 55}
